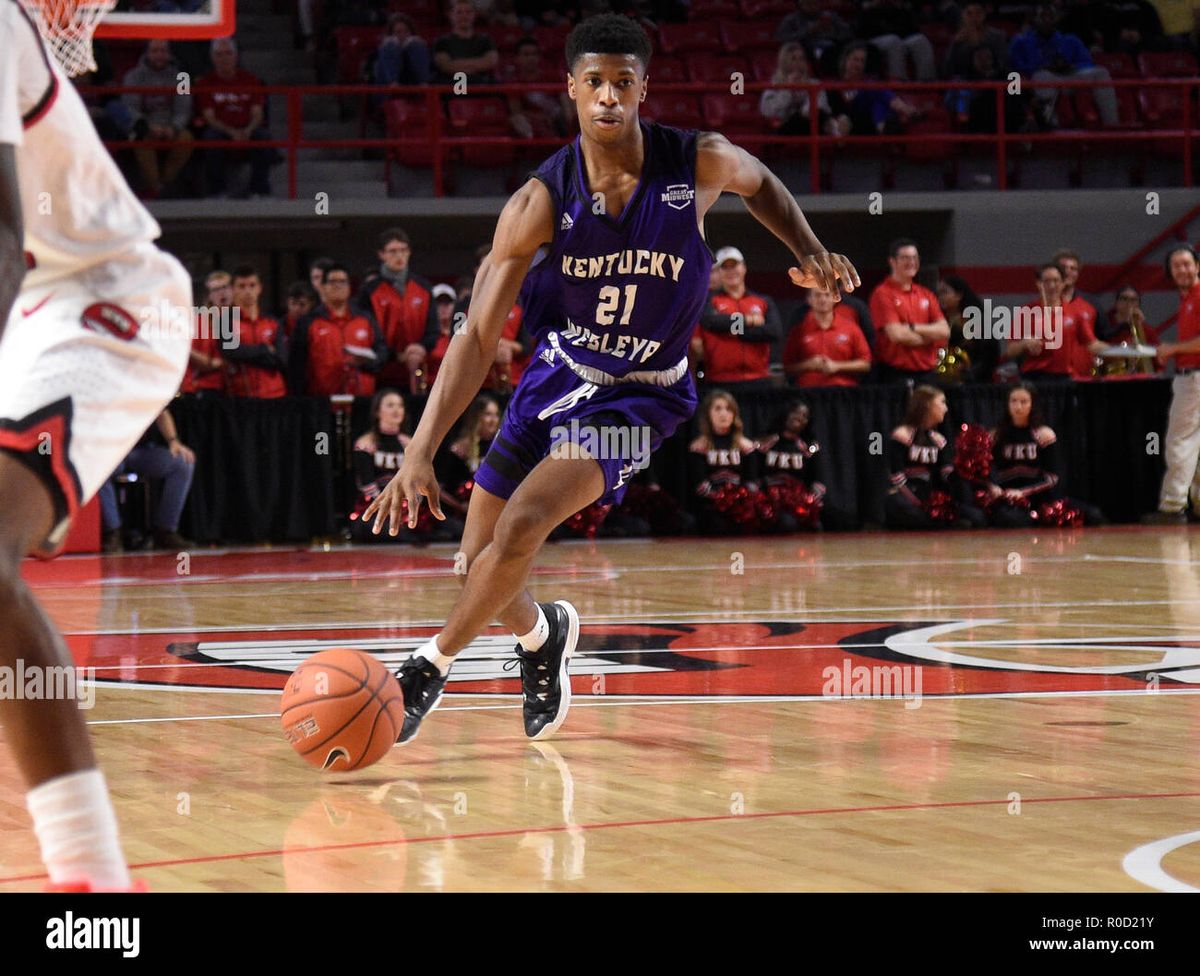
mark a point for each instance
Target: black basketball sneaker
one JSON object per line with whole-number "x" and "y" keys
{"x": 422, "y": 685}
{"x": 545, "y": 684}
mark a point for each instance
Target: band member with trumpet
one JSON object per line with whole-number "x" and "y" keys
{"x": 967, "y": 359}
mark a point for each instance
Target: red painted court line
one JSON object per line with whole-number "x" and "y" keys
{"x": 666, "y": 821}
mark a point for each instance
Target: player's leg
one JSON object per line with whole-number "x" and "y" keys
{"x": 482, "y": 514}
{"x": 554, "y": 490}
{"x": 67, "y": 796}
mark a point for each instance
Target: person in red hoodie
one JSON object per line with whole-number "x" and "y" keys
{"x": 910, "y": 327}
{"x": 337, "y": 348}
{"x": 827, "y": 347}
{"x": 737, "y": 329}
{"x": 206, "y": 368}
{"x": 257, "y": 358}
{"x": 402, "y": 304}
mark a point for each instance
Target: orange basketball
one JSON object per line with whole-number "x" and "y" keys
{"x": 342, "y": 710}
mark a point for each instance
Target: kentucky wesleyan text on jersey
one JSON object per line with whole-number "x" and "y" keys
{"x": 622, "y": 292}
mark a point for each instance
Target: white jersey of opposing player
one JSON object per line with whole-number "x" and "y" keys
{"x": 77, "y": 206}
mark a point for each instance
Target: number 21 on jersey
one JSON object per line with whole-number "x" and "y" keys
{"x": 610, "y": 298}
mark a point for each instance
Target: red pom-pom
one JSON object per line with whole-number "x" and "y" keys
{"x": 939, "y": 506}
{"x": 973, "y": 453}
{"x": 795, "y": 499}
{"x": 585, "y": 523}
{"x": 1058, "y": 514}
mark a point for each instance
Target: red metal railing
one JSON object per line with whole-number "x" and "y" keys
{"x": 815, "y": 142}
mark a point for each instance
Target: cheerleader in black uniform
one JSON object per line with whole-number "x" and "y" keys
{"x": 1026, "y": 463}
{"x": 789, "y": 460}
{"x": 721, "y": 460}
{"x": 377, "y": 457}
{"x": 456, "y": 465}
{"x": 921, "y": 462}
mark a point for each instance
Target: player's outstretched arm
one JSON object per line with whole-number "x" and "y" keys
{"x": 12, "y": 233}
{"x": 525, "y": 224}
{"x": 721, "y": 166}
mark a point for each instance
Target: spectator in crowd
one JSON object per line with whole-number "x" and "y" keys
{"x": 515, "y": 345}
{"x": 738, "y": 327}
{"x": 444, "y": 300}
{"x": 377, "y": 457}
{"x": 1052, "y": 352}
{"x": 456, "y": 465}
{"x": 301, "y": 299}
{"x": 720, "y": 458}
{"x": 1026, "y": 465}
{"x": 789, "y": 107}
{"x": 910, "y": 329}
{"x": 155, "y": 116}
{"x": 1125, "y": 324}
{"x": 231, "y": 114}
{"x": 403, "y": 57}
{"x": 974, "y": 32}
{"x": 921, "y": 462}
{"x": 337, "y": 348}
{"x": 1128, "y": 26}
{"x": 402, "y": 303}
{"x": 257, "y": 356}
{"x": 960, "y": 305}
{"x": 463, "y": 50}
{"x": 205, "y": 372}
{"x": 891, "y": 27}
{"x": 159, "y": 455}
{"x": 975, "y": 108}
{"x": 1042, "y": 53}
{"x": 538, "y": 113}
{"x": 1076, "y": 306}
{"x": 791, "y": 457}
{"x": 1182, "y": 446}
{"x": 827, "y": 347}
{"x": 316, "y": 274}
{"x": 863, "y": 111}
{"x": 820, "y": 30}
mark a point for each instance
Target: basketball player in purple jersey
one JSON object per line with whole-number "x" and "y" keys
{"x": 610, "y": 231}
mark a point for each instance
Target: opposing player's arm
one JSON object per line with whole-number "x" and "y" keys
{"x": 721, "y": 166}
{"x": 525, "y": 224}
{"x": 12, "y": 233}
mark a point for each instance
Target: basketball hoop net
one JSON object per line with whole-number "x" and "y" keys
{"x": 67, "y": 27}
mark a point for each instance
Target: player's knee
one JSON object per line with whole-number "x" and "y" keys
{"x": 520, "y": 530}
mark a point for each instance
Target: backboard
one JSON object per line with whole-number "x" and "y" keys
{"x": 132, "y": 19}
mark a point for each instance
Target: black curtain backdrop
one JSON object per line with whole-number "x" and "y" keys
{"x": 265, "y": 473}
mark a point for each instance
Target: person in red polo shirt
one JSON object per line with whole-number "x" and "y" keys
{"x": 231, "y": 114}
{"x": 206, "y": 369}
{"x": 1051, "y": 353}
{"x": 402, "y": 303}
{"x": 338, "y": 348}
{"x": 1182, "y": 477}
{"x": 737, "y": 329}
{"x": 1078, "y": 308}
{"x": 827, "y": 347}
{"x": 258, "y": 357}
{"x": 910, "y": 329}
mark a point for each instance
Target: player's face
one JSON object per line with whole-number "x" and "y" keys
{"x": 1183, "y": 269}
{"x": 1019, "y": 405}
{"x": 489, "y": 421}
{"x": 1051, "y": 285}
{"x": 246, "y": 291}
{"x": 607, "y": 89}
{"x": 391, "y": 411}
{"x": 720, "y": 415}
{"x": 395, "y": 255}
{"x": 820, "y": 300}
{"x": 906, "y": 263}
{"x": 733, "y": 275}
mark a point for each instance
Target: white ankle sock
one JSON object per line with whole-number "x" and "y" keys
{"x": 77, "y": 830}
{"x": 536, "y": 637}
{"x": 430, "y": 651}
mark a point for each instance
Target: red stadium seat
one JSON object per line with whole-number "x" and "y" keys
{"x": 1167, "y": 64}
{"x": 664, "y": 68}
{"x": 767, "y": 9}
{"x": 553, "y": 40}
{"x": 763, "y": 65}
{"x": 482, "y": 117}
{"x": 713, "y": 10}
{"x": 408, "y": 118}
{"x": 682, "y": 38}
{"x": 424, "y": 9}
{"x": 1127, "y": 109}
{"x": 736, "y": 117}
{"x": 681, "y": 111}
{"x": 1119, "y": 65}
{"x": 1162, "y": 108}
{"x": 505, "y": 38}
{"x": 703, "y": 66}
{"x": 935, "y": 122}
{"x": 354, "y": 45}
{"x": 747, "y": 37}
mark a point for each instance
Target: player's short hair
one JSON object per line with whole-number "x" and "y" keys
{"x": 608, "y": 34}
{"x": 246, "y": 271}
{"x": 302, "y": 289}
{"x": 901, "y": 242}
{"x": 393, "y": 234}
{"x": 332, "y": 267}
{"x": 1049, "y": 264}
{"x": 1065, "y": 253}
{"x": 1187, "y": 248}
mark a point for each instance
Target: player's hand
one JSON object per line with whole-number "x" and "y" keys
{"x": 1013, "y": 495}
{"x": 403, "y": 494}
{"x": 824, "y": 270}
